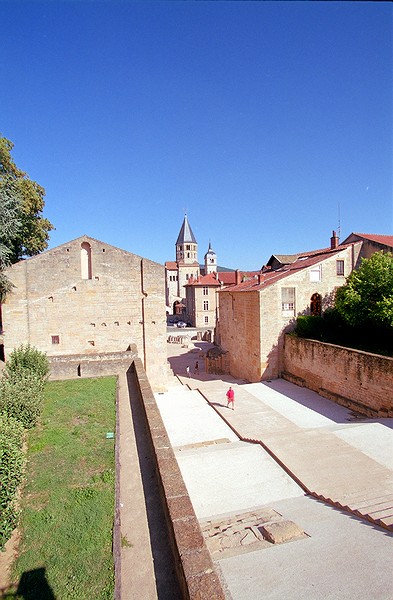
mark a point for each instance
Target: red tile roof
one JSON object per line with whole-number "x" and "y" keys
{"x": 386, "y": 240}
{"x": 204, "y": 280}
{"x": 266, "y": 278}
{"x": 171, "y": 265}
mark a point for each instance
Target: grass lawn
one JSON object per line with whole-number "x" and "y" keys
{"x": 68, "y": 500}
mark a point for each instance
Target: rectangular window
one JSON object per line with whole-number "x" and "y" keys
{"x": 288, "y": 301}
{"x": 206, "y": 305}
{"x": 315, "y": 273}
{"x": 206, "y": 320}
{"x": 205, "y": 291}
{"x": 55, "y": 339}
{"x": 186, "y": 276}
{"x": 340, "y": 267}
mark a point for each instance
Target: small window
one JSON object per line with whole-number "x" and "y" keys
{"x": 86, "y": 270}
{"x": 340, "y": 267}
{"x": 91, "y": 342}
{"x": 55, "y": 339}
{"x": 117, "y": 323}
{"x": 187, "y": 276}
{"x": 206, "y": 305}
{"x": 205, "y": 291}
{"x": 315, "y": 273}
{"x": 288, "y": 301}
{"x": 206, "y": 320}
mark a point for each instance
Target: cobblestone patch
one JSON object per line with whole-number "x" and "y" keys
{"x": 248, "y": 532}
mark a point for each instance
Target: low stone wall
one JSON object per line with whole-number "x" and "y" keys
{"x": 355, "y": 379}
{"x": 89, "y": 365}
{"x": 195, "y": 570}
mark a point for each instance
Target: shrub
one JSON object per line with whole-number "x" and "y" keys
{"x": 12, "y": 463}
{"x": 27, "y": 358}
{"x": 21, "y": 397}
{"x": 311, "y": 327}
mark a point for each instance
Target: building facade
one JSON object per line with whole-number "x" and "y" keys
{"x": 185, "y": 267}
{"x": 87, "y": 297}
{"x": 255, "y": 314}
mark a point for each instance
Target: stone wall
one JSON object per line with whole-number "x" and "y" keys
{"x": 87, "y": 297}
{"x": 90, "y": 365}
{"x": 358, "y": 380}
{"x": 195, "y": 570}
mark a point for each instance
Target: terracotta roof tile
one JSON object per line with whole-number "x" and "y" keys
{"x": 171, "y": 265}
{"x": 386, "y": 240}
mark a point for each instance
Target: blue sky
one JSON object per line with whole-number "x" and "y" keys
{"x": 264, "y": 121}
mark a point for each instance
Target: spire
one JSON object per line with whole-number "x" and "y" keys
{"x": 186, "y": 234}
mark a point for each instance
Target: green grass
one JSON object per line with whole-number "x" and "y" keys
{"x": 68, "y": 500}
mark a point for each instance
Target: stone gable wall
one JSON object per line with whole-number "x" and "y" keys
{"x": 358, "y": 380}
{"x": 123, "y": 303}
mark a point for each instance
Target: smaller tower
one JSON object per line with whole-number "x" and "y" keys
{"x": 210, "y": 261}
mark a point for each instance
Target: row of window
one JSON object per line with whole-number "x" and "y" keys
{"x": 288, "y": 302}
{"x": 316, "y": 272}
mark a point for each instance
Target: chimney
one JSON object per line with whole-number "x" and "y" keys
{"x": 334, "y": 241}
{"x": 238, "y": 277}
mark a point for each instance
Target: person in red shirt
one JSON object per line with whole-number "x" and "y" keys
{"x": 231, "y": 398}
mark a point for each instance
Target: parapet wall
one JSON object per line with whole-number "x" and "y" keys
{"x": 359, "y": 380}
{"x": 195, "y": 570}
{"x": 90, "y": 365}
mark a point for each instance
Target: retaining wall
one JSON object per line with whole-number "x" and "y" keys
{"x": 358, "y": 380}
{"x": 195, "y": 570}
{"x": 89, "y": 365}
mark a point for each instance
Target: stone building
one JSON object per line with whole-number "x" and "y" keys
{"x": 178, "y": 272}
{"x": 371, "y": 243}
{"x": 86, "y": 297}
{"x": 255, "y": 314}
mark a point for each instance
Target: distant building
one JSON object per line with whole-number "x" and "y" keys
{"x": 178, "y": 272}
{"x": 191, "y": 288}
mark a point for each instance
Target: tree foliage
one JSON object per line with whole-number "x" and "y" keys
{"x": 367, "y": 296}
{"x": 23, "y": 229}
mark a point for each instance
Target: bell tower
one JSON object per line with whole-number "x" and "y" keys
{"x": 210, "y": 261}
{"x": 186, "y": 245}
{"x": 186, "y": 256}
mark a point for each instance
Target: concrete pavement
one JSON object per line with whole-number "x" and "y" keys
{"x": 331, "y": 451}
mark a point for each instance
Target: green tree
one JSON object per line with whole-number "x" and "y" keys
{"x": 367, "y": 296}
{"x": 24, "y": 231}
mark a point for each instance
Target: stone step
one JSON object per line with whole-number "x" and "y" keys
{"x": 369, "y": 503}
{"x": 386, "y": 522}
{"x": 380, "y": 514}
{"x": 383, "y": 517}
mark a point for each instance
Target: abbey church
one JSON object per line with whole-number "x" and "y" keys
{"x": 192, "y": 289}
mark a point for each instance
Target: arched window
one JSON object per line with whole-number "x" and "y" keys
{"x": 86, "y": 271}
{"x": 316, "y": 305}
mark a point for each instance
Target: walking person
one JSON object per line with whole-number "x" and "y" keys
{"x": 188, "y": 370}
{"x": 231, "y": 398}
{"x": 196, "y": 368}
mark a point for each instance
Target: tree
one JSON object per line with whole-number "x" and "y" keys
{"x": 24, "y": 231}
{"x": 367, "y": 296}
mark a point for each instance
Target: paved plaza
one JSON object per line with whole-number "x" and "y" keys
{"x": 313, "y": 445}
